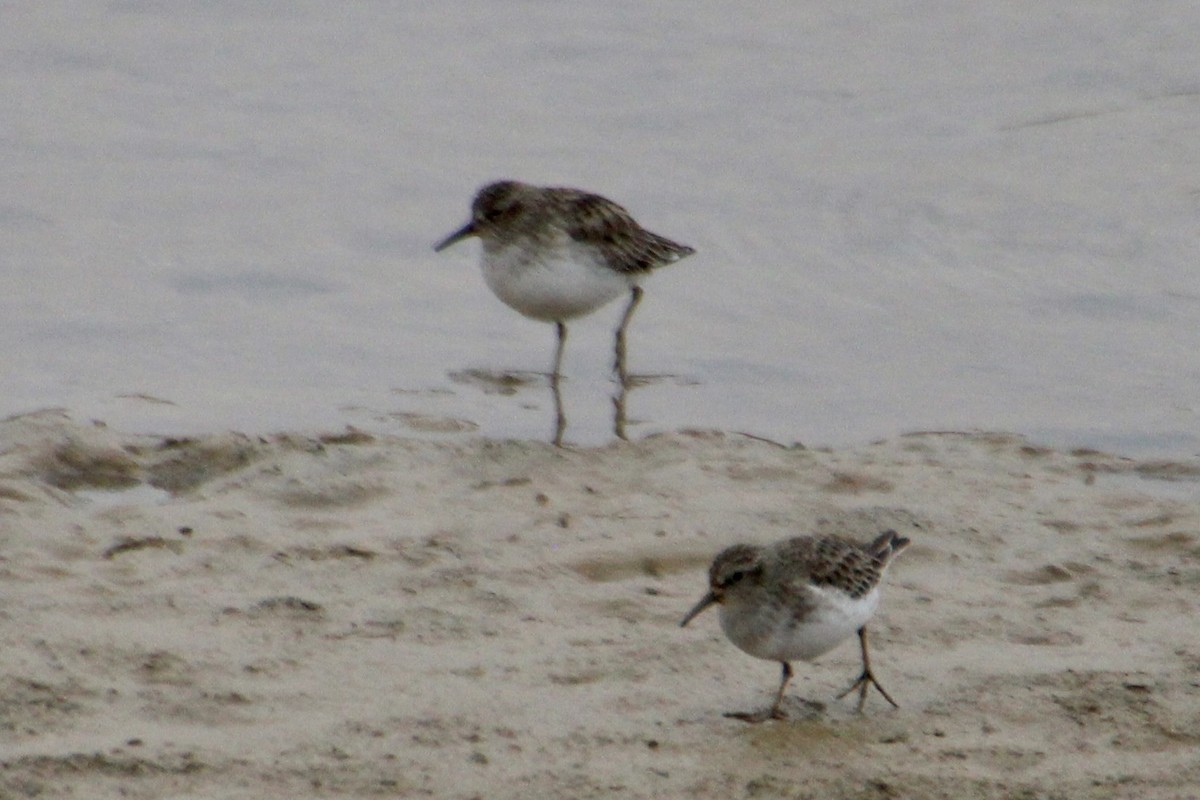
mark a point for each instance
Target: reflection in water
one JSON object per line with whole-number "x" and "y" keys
{"x": 499, "y": 383}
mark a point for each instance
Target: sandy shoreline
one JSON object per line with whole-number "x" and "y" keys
{"x": 349, "y": 615}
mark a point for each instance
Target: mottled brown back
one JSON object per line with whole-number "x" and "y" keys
{"x": 627, "y": 246}
{"x": 832, "y": 561}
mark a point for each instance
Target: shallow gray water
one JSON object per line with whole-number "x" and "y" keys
{"x": 936, "y": 215}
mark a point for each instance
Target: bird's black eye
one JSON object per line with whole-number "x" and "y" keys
{"x": 734, "y": 577}
{"x": 496, "y": 212}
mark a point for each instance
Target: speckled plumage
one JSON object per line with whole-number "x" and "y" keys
{"x": 511, "y": 211}
{"x": 798, "y": 598}
{"x": 555, "y": 253}
{"x": 830, "y": 561}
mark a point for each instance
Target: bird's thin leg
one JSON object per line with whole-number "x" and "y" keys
{"x": 635, "y": 297}
{"x": 867, "y": 679}
{"x": 775, "y": 711}
{"x": 619, "y": 412}
{"x": 784, "y": 680}
{"x": 560, "y": 416}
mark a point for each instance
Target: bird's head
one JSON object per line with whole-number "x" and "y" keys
{"x": 733, "y": 567}
{"x": 495, "y": 205}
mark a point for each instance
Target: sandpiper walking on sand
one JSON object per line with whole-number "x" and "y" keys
{"x": 797, "y": 599}
{"x": 554, "y": 254}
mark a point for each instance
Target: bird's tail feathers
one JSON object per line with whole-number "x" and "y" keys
{"x": 888, "y": 545}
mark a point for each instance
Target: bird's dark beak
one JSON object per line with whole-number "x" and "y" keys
{"x": 457, "y": 236}
{"x": 704, "y": 603}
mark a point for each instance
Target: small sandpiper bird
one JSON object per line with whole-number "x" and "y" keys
{"x": 555, "y": 254}
{"x": 797, "y": 599}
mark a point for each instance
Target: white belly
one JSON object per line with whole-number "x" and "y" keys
{"x": 770, "y": 631}
{"x": 560, "y": 284}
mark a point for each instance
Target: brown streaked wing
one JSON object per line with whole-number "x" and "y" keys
{"x": 628, "y": 247}
{"x": 844, "y": 565}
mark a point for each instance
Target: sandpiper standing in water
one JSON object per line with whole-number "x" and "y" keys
{"x": 798, "y": 599}
{"x": 554, "y": 254}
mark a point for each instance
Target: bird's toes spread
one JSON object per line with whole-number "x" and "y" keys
{"x": 864, "y": 683}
